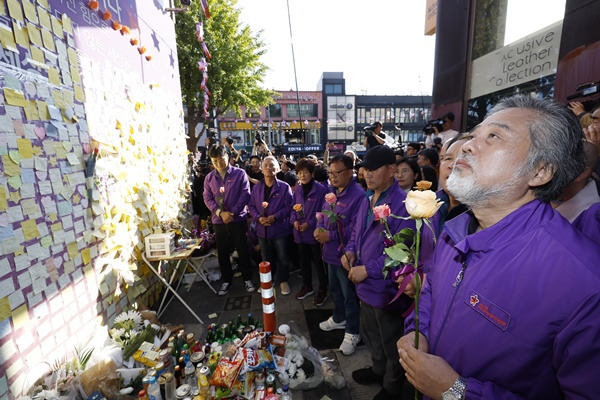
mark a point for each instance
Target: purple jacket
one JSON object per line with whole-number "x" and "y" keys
{"x": 367, "y": 243}
{"x": 588, "y": 222}
{"x": 235, "y": 198}
{"x": 310, "y": 206}
{"x": 280, "y": 205}
{"x": 348, "y": 203}
{"x": 523, "y": 321}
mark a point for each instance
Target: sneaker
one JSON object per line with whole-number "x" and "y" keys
{"x": 224, "y": 288}
{"x": 304, "y": 293}
{"x": 385, "y": 395}
{"x": 330, "y": 325}
{"x": 366, "y": 376}
{"x": 320, "y": 298}
{"x": 249, "y": 286}
{"x": 285, "y": 288}
{"x": 349, "y": 344}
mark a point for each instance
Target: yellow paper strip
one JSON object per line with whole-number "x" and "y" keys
{"x": 15, "y": 97}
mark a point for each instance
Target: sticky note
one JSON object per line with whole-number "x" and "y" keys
{"x": 37, "y": 55}
{"x": 21, "y": 36}
{"x": 25, "y": 149}
{"x": 20, "y": 317}
{"x": 72, "y": 54}
{"x": 72, "y": 250}
{"x": 86, "y": 256}
{"x": 54, "y": 76}
{"x": 15, "y": 97}
{"x": 10, "y": 167}
{"x": 7, "y": 39}
{"x": 44, "y": 18}
{"x": 30, "y": 13}
{"x": 14, "y": 10}
{"x": 78, "y": 93}
{"x": 42, "y": 110}
{"x": 57, "y": 27}
{"x": 3, "y": 199}
{"x": 31, "y": 111}
{"x": 67, "y": 25}
{"x": 5, "y": 310}
{"x": 43, "y": 3}
{"x": 34, "y": 34}
{"x": 48, "y": 40}
{"x": 59, "y": 100}
{"x": 30, "y": 229}
{"x": 75, "y": 74}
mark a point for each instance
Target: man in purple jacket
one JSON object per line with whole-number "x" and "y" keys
{"x": 273, "y": 228}
{"x": 349, "y": 196}
{"x": 380, "y": 322}
{"x": 226, "y": 194}
{"x": 510, "y": 307}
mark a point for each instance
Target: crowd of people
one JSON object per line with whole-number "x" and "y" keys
{"x": 512, "y": 284}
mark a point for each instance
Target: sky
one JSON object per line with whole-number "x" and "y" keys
{"x": 379, "y": 45}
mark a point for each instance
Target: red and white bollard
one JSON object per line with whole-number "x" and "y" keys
{"x": 268, "y": 296}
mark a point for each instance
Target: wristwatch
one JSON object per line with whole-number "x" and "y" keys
{"x": 456, "y": 391}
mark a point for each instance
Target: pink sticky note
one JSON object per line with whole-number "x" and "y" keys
{"x": 40, "y": 132}
{"x": 86, "y": 148}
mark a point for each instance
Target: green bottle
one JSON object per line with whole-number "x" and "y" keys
{"x": 239, "y": 323}
{"x": 250, "y": 320}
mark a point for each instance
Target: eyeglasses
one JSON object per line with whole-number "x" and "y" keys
{"x": 335, "y": 174}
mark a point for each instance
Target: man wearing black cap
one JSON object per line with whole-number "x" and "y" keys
{"x": 381, "y": 322}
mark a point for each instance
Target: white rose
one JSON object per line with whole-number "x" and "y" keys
{"x": 422, "y": 203}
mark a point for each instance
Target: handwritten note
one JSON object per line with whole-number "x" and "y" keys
{"x": 15, "y": 97}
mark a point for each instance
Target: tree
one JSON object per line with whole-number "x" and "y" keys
{"x": 234, "y": 70}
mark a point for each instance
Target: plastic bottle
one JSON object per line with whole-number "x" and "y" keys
{"x": 154, "y": 389}
{"x": 190, "y": 375}
{"x": 286, "y": 395}
{"x": 170, "y": 386}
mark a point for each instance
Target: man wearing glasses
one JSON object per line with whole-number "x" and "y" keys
{"x": 346, "y": 312}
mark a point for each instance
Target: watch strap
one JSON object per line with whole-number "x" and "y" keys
{"x": 457, "y": 391}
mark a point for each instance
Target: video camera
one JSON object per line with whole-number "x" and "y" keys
{"x": 437, "y": 123}
{"x": 369, "y": 129}
{"x": 585, "y": 89}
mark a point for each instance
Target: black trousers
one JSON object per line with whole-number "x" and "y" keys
{"x": 311, "y": 254}
{"x": 229, "y": 237}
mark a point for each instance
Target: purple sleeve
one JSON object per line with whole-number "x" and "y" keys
{"x": 252, "y": 207}
{"x": 209, "y": 197}
{"x": 286, "y": 205}
{"x": 243, "y": 192}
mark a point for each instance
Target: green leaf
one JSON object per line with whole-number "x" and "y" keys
{"x": 399, "y": 252}
{"x": 390, "y": 262}
{"x": 428, "y": 223}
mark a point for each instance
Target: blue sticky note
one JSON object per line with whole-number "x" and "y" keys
{"x": 5, "y": 328}
{"x": 65, "y": 168}
{"x": 6, "y": 231}
{"x": 27, "y": 175}
{"x": 51, "y": 130}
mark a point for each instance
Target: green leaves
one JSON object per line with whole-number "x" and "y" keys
{"x": 399, "y": 253}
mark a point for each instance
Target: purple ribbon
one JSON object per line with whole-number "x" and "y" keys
{"x": 408, "y": 272}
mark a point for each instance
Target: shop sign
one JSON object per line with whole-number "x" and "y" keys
{"x": 298, "y": 148}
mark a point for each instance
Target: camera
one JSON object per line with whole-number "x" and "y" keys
{"x": 437, "y": 123}
{"x": 585, "y": 89}
{"x": 369, "y": 129}
{"x": 259, "y": 139}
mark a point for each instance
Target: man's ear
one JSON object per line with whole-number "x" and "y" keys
{"x": 543, "y": 175}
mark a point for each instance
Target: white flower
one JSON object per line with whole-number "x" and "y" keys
{"x": 129, "y": 320}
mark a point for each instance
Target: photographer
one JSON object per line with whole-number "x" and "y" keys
{"x": 441, "y": 127}
{"x": 260, "y": 148}
{"x": 373, "y": 135}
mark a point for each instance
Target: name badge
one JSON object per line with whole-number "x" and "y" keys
{"x": 488, "y": 310}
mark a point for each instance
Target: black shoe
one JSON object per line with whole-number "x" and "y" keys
{"x": 366, "y": 376}
{"x": 385, "y": 395}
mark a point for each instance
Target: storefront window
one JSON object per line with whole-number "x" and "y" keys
{"x": 307, "y": 110}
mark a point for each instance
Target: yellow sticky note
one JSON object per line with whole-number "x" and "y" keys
{"x": 5, "y": 310}
{"x": 25, "y": 149}
{"x": 7, "y": 39}
{"x": 20, "y": 317}
{"x": 86, "y": 256}
{"x": 2, "y": 7}
{"x": 54, "y": 76}
{"x": 78, "y": 93}
{"x": 57, "y": 27}
{"x": 15, "y": 97}
{"x": 31, "y": 111}
{"x": 61, "y": 153}
{"x": 43, "y": 3}
{"x": 46, "y": 241}
{"x": 38, "y": 55}
{"x": 3, "y": 199}
{"x": 67, "y": 25}
{"x": 68, "y": 96}
{"x": 30, "y": 13}
{"x": 21, "y": 36}
{"x": 42, "y": 110}
{"x": 30, "y": 229}
{"x": 44, "y": 18}
{"x": 72, "y": 54}
{"x": 75, "y": 74}
{"x": 56, "y": 227}
{"x": 14, "y": 10}
{"x": 10, "y": 167}
{"x": 48, "y": 40}
{"x": 72, "y": 250}
{"x": 59, "y": 100}
{"x": 34, "y": 34}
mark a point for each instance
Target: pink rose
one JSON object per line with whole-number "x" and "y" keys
{"x": 265, "y": 204}
{"x": 319, "y": 215}
{"x": 330, "y": 198}
{"x": 222, "y": 189}
{"x": 381, "y": 212}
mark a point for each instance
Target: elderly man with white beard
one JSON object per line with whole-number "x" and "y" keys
{"x": 510, "y": 307}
